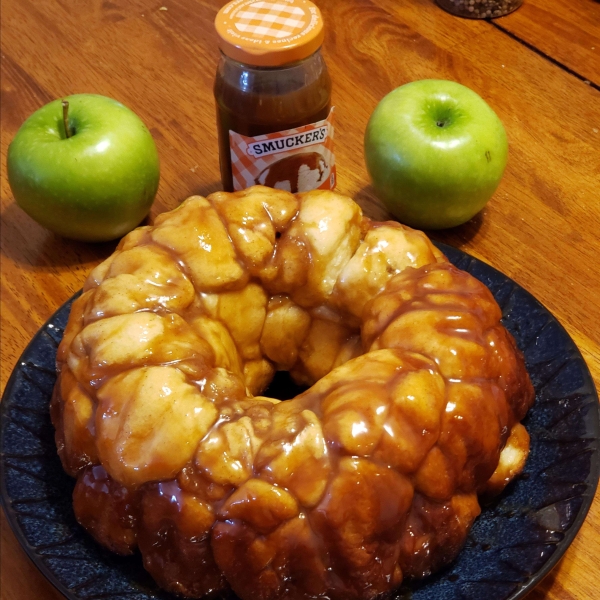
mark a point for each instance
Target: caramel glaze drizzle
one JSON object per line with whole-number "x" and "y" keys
{"x": 369, "y": 476}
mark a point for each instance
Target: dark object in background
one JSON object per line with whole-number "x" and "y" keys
{"x": 479, "y": 9}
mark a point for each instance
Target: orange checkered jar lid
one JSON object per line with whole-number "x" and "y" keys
{"x": 269, "y": 33}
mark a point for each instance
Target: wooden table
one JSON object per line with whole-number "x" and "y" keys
{"x": 539, "y": 68}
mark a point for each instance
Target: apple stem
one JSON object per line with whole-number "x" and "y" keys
{"x": 65, "y": 106}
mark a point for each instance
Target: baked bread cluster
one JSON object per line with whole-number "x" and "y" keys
{"x": 416, "y": 393}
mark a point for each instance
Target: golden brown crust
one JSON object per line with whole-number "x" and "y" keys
{"x": 370, "y": 475}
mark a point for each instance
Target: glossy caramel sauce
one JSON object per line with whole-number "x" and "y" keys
{"x": 370, "y": 475}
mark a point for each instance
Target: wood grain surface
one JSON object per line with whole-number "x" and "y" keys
{"x": 539, "y": 68}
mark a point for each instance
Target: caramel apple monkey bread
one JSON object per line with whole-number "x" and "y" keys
{"x": 370, "y": 475}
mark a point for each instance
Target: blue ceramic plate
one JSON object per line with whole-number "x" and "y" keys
{"x": 512, "y": 546}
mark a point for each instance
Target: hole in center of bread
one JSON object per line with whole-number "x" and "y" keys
{"x": 283, "y": 387}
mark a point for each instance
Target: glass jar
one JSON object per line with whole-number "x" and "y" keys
{"x": 480, "y": 9}
{"x": 273, "y": 97}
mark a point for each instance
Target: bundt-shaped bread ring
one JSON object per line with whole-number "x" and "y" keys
{"x": 370, "y": 475}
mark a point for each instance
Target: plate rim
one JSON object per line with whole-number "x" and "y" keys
{"x": 9, "y": 512}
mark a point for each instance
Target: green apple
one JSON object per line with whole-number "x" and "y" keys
{"x": 87, "y": 170}
{"x": 435, "y": 152}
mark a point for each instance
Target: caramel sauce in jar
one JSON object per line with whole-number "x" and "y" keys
{"x": 273, "y": 98}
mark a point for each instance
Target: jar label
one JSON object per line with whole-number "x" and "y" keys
{"x": 296, "y": 160}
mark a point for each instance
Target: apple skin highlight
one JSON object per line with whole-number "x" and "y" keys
{"x": 96, "y": 185}
{"x": 435, "y": 152}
